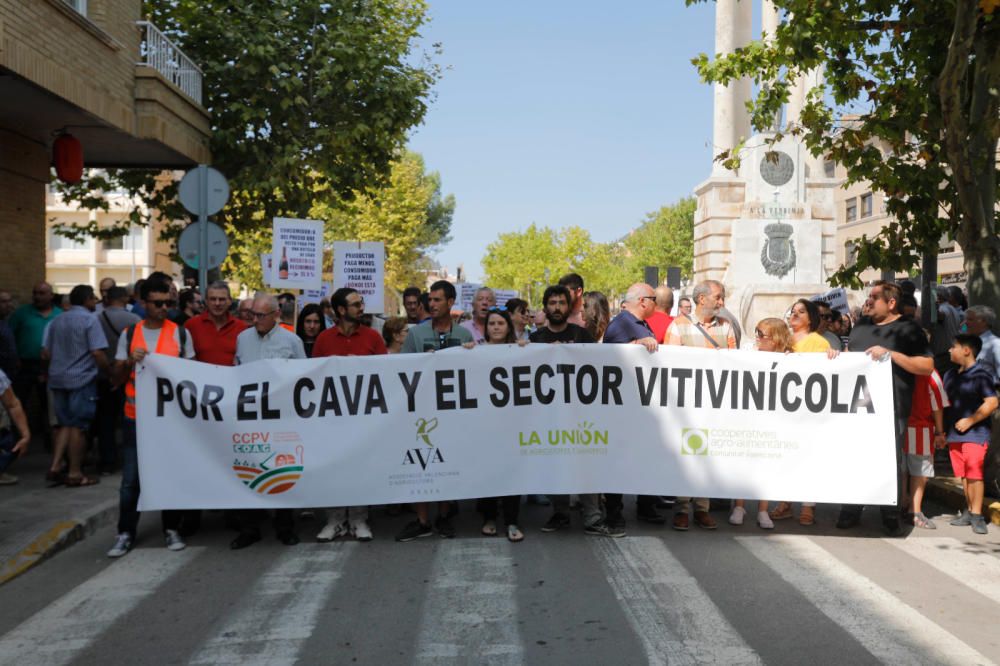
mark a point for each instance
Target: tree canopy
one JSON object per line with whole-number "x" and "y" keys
{"x": 530, "y": 260}
{"x": 311, "y": 101}
{"x": 910, "y": 104}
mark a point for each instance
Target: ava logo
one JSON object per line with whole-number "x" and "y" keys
{"x": 424, "y": 429}
{"x": 694, "y": 442}
{"x": 274, "y": 474}
{"x": 420, "y": 455}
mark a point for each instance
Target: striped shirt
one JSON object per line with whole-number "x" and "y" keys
{"x": 928, "y": 397}
{"x": 685, "y": 332}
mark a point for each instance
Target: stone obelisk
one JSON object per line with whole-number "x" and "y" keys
{"x": 766, "y": 230}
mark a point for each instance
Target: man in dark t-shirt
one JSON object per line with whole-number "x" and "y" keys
{"x": 556, "y": 304}
{"x": 890, "y": 336}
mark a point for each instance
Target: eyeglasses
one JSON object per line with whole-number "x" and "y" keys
{"x": 652, "y": 298}
{"x": 260, "y": 315}
{"x": 161, "y": 304}
{"x": 357, "y": 304}
{"x": 830, "y": 317}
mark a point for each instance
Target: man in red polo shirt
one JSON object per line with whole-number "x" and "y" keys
{"x": 349, "y": 337}
{"x": 214, "y": 331}
{"x": 214, "y": 334}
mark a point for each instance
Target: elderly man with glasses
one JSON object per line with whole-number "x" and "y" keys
{"x": 265, "y": 340}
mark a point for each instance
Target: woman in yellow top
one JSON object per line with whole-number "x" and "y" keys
{"x": 804, "y": 321}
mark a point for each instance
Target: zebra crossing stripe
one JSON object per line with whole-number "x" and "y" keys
{"x": 470, "y": 613}
{"x": 60, "y": 631}
{"x": 675, "y": 619}
{"x": 889, "y": 629}
{"x": 279, "y": 613}
{"x": 971, "y": 564}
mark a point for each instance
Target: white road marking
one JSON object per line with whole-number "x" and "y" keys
{"x": 280, "y": 610}
{"x": 675, "y": 619}
{"x": 971, "y": 564}
{"x": 63, "y": 629}
{"x": 891, "y": 630}
{"x": 470, "y": 613}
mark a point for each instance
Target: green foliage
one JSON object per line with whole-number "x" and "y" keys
{"x": 530, "y": 260}
{"x": 914, "y": 87}
{"x": 309, "y": 99}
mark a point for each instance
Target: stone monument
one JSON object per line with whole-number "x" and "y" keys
{"x": 766, "y": 231}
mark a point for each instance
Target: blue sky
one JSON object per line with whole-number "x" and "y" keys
{"x": 565, "y": 113}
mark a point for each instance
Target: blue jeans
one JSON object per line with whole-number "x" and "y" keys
{"x": 128, "y": 494}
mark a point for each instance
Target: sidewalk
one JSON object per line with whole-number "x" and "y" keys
{"x": 37, "y": 521}
{"x": 947, "y": 490}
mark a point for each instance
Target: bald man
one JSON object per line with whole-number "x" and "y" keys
{"x": 660, "y": 320}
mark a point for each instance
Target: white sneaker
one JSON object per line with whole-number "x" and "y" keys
{"x": 7, "y": 479}
{"x": 736, "y": 517}
{"x": 123, "y": 544}
{"x": 361, "y": 530}
{"x": 174, "y": 541}
{"x": 764, "y": 521}
{"x": 331, "y": 531}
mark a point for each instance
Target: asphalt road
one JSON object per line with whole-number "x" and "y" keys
{"x": 733, "y": 596}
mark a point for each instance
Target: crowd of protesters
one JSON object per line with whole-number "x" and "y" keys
{"x": 73, "y": 365}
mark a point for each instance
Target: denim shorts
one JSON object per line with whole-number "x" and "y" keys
{"x": 75, "y": 408}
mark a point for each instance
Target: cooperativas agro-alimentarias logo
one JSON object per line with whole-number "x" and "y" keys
{"x": 694, "y": 442}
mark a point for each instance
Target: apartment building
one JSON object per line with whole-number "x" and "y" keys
{"x": 94, "y": 69}
{"x": 861, "y": 212}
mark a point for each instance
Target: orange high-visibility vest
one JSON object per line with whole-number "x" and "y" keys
{"x": 166, "y": 345}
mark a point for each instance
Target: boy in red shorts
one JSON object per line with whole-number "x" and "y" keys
{"x": 973, "y": 396}
{"x": 924, "y": 433}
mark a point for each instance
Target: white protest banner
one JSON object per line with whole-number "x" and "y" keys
{"x": 503, "y": 420}
{"x": 504, "y": 295}
{"x": 265, "y": 268}
{"x": 361, "y": 266}
{"x": 466, "y": 294}
{"x": 315, "y": 295}
{"x": 297, "y": 248}
{"x": 836, "y": 299}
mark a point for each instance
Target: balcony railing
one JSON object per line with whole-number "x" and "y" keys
{"x": 158, "y": 52}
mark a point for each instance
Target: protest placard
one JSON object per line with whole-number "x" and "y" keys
{"x": 361, "y": 266}
{"x": 297, "y": 251}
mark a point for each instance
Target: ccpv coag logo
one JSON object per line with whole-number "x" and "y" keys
{"x": 274, "y": 474}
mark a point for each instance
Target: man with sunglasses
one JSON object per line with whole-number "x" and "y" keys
{"x": 439, "y": 332}
{"x": 153, "y": 335}
{"x": 349, "y": 337}
{"x": 827, "y": 320}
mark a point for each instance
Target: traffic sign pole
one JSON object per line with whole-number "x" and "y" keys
{"x": 203, "y": 229}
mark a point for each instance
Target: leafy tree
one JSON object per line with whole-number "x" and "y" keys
{"x": 309, "y": 99}
{"x": 529, "y": 260}
{"x": 920, "y": 80}
{"x": 409, "y": 215}
{"x": 664, "y": 239}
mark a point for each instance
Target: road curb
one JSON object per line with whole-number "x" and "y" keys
{"x": 59, "y": 536}
{"x": 948, "y": 491}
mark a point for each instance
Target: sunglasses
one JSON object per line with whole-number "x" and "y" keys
{"x": 760, "y": 334}
{"x": 161, "y": 304}
{"x": 496, "y": 308}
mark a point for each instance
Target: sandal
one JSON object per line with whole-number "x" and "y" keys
{"x": 53, "y": 479}
{"x": 923, "y": 522}
{"x": 489, "y": 528}
{"x": 782, "y": 511}
{"x": 80, "y": 481}
{"x": 807, "y": 516}
{"x": 514, "y": 534}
